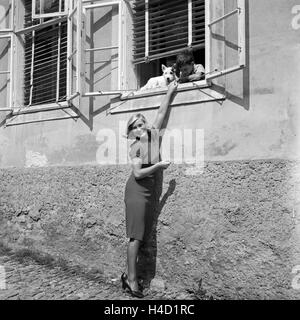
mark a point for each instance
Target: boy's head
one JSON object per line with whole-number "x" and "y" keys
{"x": 185, "y": 63}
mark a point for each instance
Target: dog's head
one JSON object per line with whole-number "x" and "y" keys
{"x": 168, "y": 73}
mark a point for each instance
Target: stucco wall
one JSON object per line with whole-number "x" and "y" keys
{"x": 235, "y": 226}
{"x": 260, "y": 111}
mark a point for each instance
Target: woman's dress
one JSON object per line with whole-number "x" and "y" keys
{"x": 140, "y": 194}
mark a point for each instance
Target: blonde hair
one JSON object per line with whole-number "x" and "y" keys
{"x": 132, "y": 120}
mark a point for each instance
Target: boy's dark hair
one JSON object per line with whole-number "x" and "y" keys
{"x": 184, "y": 57}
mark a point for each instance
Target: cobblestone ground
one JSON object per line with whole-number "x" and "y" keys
{"x": 26, "y": 279}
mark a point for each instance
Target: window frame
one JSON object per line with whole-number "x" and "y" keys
{"x": 37, "y": 27}
{"x": 9, "y": 72}
{"x": 240, "y": 10}
{"x": 209, "y": 74}
{"x": 36, "y": 15}
{"x": 12, "y": 15}
{"x": 120, "y": 46}
{"x": 78, "y": 51}
{"x": 9, "y": 33}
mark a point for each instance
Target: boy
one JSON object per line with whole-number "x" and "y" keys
{"x": 186, "y": 69}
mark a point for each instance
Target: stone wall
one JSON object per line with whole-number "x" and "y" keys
{"x": 235, "y": 226}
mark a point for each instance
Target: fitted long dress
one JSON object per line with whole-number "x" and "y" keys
{"x": 140, "y": 194}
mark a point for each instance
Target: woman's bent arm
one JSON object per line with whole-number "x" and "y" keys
{"x": 139, "y": 172}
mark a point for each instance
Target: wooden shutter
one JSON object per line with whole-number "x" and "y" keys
{"x": 164, "y": 27}
{"x": 240, "y": 63}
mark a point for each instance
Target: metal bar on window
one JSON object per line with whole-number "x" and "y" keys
{"x": 72, "y": 54}
{"x": 69, "y": 49}
{"x": 146, "y": 29}
{"x": 58, "y": 59}
{"x": 73, "y": 96}
{"x": 79, "y": 47}
{"x": 41, "y": 26}
{"x": 42, "y": 120}
{"x": 190, "y": 22}
{"x": 104, "y": 4}
{"x": 72, "y": 13}
{"x": 11, "y": 69}
{"x": 216, "y": 74}
{"x": 207, "y": 35}
{"x": 103, "y": 48}
{"x": 32, "y": 67}
{"x": 103, "y": 93}
{"x": 119, "y": 41}
{"x": 224, "y": 17}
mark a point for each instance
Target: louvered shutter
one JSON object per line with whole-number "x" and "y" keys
{"x": 165, "y": 27}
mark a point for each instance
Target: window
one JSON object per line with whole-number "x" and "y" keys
{"x": 36, "y": 55}
{"x": 6, "y": 63}
{"x": 45, "y": 63}
{"x": 63, "y": 50}
{"x": 48, "y": 8}
{"x": 162, "y": 28}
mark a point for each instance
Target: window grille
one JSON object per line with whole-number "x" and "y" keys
{"x": 163, "y": 27}
{"x": 45, "y": 67}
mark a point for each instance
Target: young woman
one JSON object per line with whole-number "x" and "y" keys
{"x": 140, "y": 187}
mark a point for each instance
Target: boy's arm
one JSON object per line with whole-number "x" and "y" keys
{"x": 198, "y": 74}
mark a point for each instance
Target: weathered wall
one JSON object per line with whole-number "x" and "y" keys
{"x": 234, "y": 226}
{"x": 260, "y": 112}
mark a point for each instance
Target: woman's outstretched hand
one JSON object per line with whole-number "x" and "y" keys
{"x": 164, "y": 164}
{"x": 172, "y": 87}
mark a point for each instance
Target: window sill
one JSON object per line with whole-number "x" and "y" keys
{"x": 157, "y": 91}
{"x": 40, "y": 108}
{"x": 187, "y": 93}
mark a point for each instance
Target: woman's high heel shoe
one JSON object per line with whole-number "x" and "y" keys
{"x": 125, "y": 285}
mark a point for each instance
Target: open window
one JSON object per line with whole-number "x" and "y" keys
{"x": 41, "y": 58}
{"x": 6, "y": 53}
{"x": 7, "y": 9}
{"x": 48, "y": 8}
{"x": 164, "y": 28}
{"x": 102, "y": 48}
{"x": 226, "y": 33}
{"x": 6, "y": 72}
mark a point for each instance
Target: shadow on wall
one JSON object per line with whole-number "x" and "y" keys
{"x": 146, "y": 266}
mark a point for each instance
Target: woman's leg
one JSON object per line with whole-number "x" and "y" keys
{"x": 132, "y": 253}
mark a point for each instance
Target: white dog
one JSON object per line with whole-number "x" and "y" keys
{"x": 161, "y": 81}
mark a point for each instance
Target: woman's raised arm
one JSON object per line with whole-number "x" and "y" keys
{"x": 161, "y": 113}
